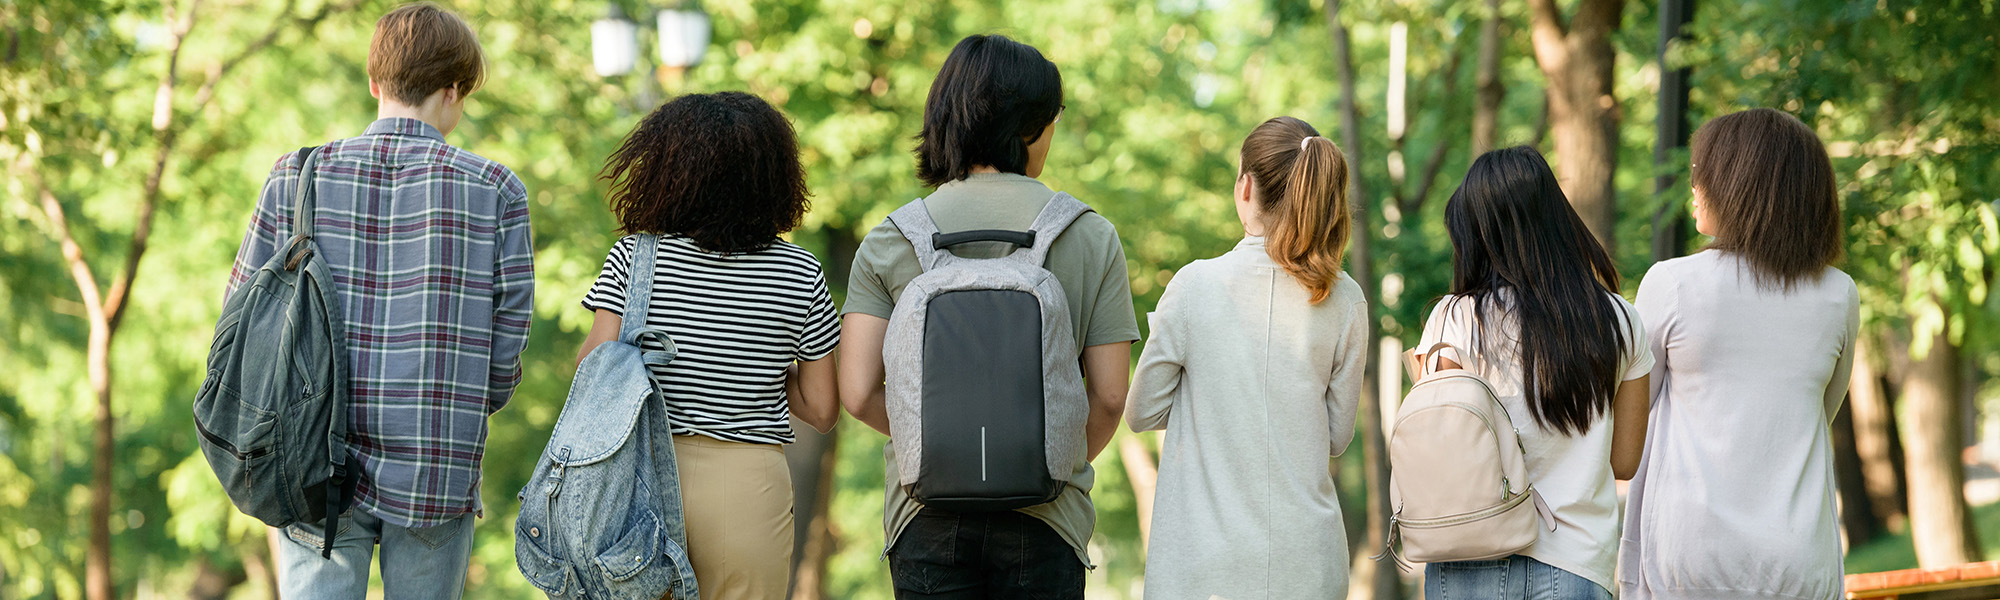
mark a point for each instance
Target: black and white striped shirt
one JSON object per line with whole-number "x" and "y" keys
{"x": 738, "y": 321}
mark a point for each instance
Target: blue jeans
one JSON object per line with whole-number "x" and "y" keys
{"x": 427, "y": 562}
{"x": 1512, "y": 578}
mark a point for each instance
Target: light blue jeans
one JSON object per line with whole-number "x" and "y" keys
{"x": 1512, "y": 578}
{"x": 424, "y": 563}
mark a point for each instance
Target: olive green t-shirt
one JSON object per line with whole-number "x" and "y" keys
{"x": 1087, "y": 259}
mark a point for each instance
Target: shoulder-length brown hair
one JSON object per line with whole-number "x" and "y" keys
{"x": 1766, "y": 180}
{"x": 1302, "y": 188}
{"x": 720, "y": 169}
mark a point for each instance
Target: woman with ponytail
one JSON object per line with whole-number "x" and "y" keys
{"x": 1534, "y": 310}
{"x": 1254, "y": 369}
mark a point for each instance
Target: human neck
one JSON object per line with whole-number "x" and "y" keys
{"x": 432, "y": 112}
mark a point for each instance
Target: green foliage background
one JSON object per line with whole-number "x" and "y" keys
{"x": 1159, "y": 94}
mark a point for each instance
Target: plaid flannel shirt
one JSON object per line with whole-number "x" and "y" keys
{"x": 432, "y": 257}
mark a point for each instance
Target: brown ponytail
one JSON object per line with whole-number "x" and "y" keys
{"x": 1301, "y": 182}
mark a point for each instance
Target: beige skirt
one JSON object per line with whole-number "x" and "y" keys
{"x": 738, "y": 502}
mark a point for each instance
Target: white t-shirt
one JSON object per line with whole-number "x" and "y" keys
{"x": 1572, "y": 473}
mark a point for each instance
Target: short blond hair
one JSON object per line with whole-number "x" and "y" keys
{"x": 419, "y": 49}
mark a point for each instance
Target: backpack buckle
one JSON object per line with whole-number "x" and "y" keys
{"x": 557, "y": 464}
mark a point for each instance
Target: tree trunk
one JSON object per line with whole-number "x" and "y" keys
{"x": 97, "y": 581}
{"x": 1670, "y": 219}
{"x": 1367, "y": 581}
{"x": 1857, "y": 515}
{"x": 811, "y": 458}
{"x": 211, "y": 582}
{"x": 1144, "y": 473}
{"x": 1486, "y": 114}
{"x": 1940, "y": 524}
{"x": 105, "y": 309}
{"x": 1875, "y": 438}
{"x": 1576, "y": 58}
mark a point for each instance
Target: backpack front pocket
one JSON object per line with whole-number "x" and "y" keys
{"x": 542, "y": 570}
{"x": 632, "y": 563}
{"x": 239, "y": 442}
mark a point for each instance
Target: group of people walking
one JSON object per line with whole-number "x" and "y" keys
{"x": 1712, "y": 392}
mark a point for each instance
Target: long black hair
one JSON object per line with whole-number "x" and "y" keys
{"x": 1513, "y": 230}
{"x": 991, "y": 101}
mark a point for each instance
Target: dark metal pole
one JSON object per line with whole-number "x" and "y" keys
{"x": 1670, "y": 220}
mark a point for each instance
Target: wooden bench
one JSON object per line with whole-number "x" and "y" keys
{"x": 1970, "y": 581}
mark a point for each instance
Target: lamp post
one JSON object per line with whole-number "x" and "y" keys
{"x": 684, "y": 35}
{"x": 614, "y": 43}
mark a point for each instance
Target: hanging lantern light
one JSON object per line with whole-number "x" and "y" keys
{"x": 684, "y": 34}
{"x": 614, "y": 43}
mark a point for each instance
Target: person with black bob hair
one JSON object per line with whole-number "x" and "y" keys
{"x": 988, "y": 129}
{"x": 992, "y": 109}
{"x": 713, "y": 180}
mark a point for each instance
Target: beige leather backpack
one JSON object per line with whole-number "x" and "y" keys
{"x": 1458, "y": 486}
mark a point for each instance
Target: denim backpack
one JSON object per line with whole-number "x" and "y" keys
{"x": 272, "y": 412}
{"x": 601, "y": 517}
{"x": 985, "y": 396}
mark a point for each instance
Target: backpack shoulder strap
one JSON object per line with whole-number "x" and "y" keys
{"x": 305, "y": 203}
{"x": 304, "y": 199}
{"x": 1056, "y": 218}
{"x": 914, "y": 220}
{"x": 639, "y": 297}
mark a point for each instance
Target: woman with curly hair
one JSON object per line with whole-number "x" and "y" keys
{"x": 717, "y": 178}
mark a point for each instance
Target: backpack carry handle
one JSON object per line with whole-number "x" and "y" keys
{"x": 1024, "y": 239}
{"x": 933, "y": 246}
{"x": 1421, "y": 363}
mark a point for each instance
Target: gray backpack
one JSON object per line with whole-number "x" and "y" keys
{"x": 601, "y": 517}
{"x": 272, "y": 412}
{"x": 985, "y": 396}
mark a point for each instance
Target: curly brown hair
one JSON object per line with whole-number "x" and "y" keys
{"x": 720, "y": 169}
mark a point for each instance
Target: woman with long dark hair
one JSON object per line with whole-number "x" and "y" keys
{"x": 716, "y": 177}
{"x": 1534, "y": 309}
{"x": 1254, "y": 369}
{"x": 1755, "y": 336}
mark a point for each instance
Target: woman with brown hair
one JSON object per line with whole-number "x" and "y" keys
{"x": 1254, "y": 370}
{"x": 715, "y": 179}
{"x": 1754, "y": 339}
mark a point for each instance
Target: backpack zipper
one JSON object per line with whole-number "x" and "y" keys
{"x": 228, "y": 447}
{"x": 1467, "y": 517}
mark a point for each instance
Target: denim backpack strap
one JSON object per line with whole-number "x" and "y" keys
{"x": 639, "y": 298}
{"x": 305, "y": 203}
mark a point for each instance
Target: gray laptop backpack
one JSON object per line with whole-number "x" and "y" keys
{"x": 272, "y": 412}
{"x": 985, "y": 396}
{"x": 601, "y": 516}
